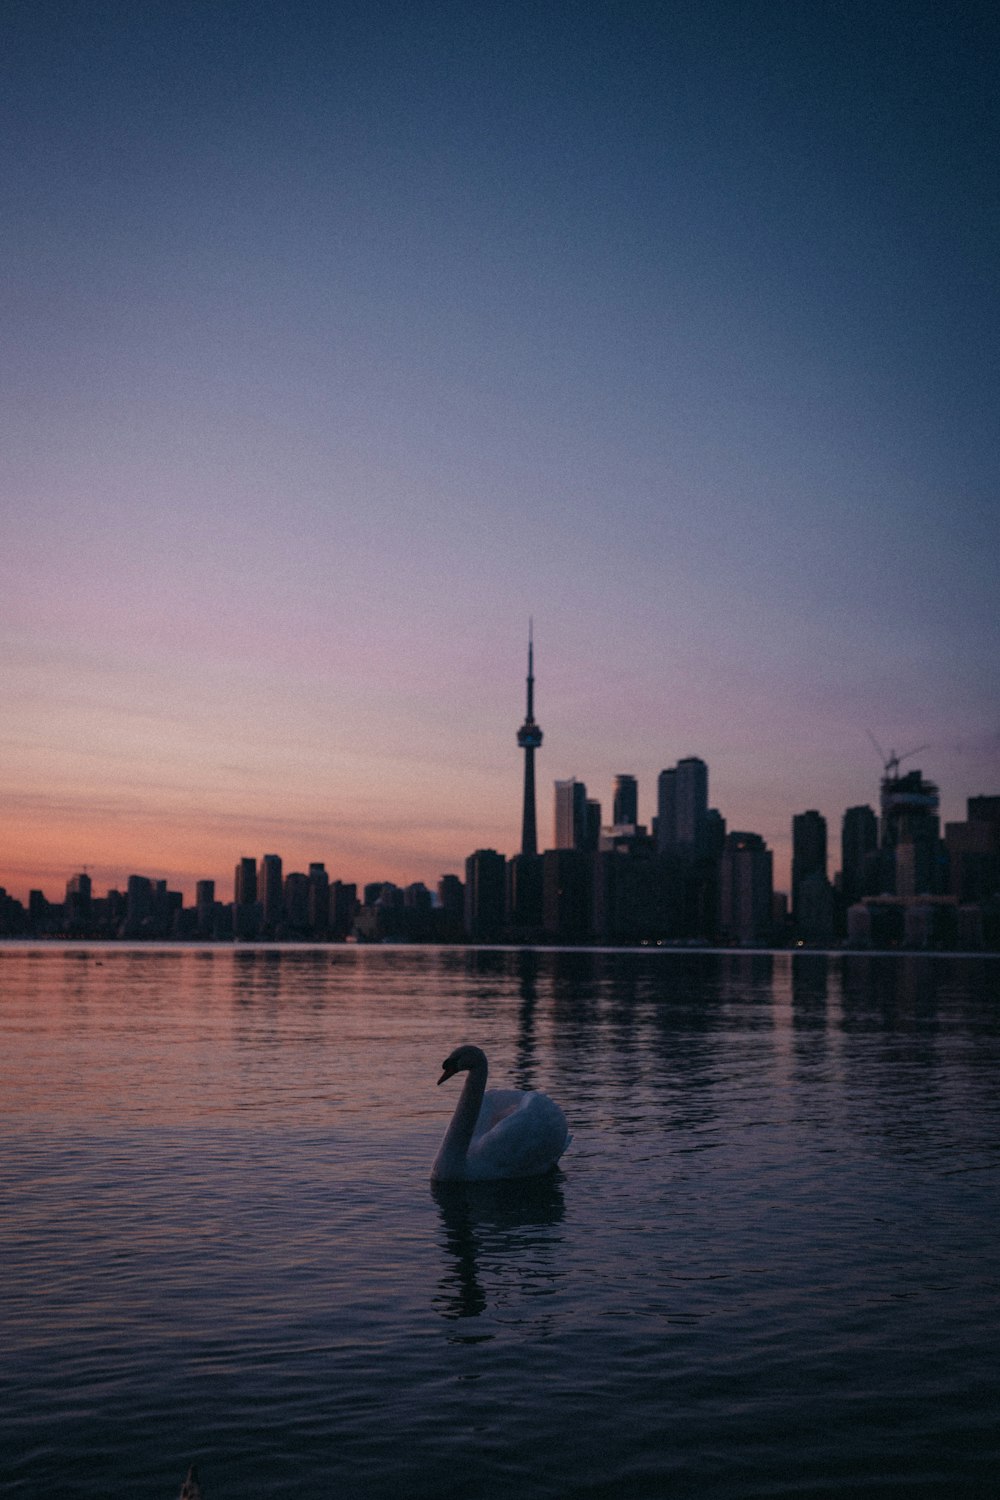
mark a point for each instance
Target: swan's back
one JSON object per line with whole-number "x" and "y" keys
{"x": 517, "y": 1134}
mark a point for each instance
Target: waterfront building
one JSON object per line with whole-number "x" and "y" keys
{"x": 666, "y": 811}
{"x": 570, "y": 814}
{"x": 812, "y": 896}
{"x": 295, "y": 894}
{"x": 524, "y": 896}
{"x": 690, "y": 804}
{"x": 245, "y": 882}
{"x": 77, "y": 908}
{"x": 682, "y": 808}
{"x": 746, "y": 889}
{"x": 858, "y": 853}
{"x": 451, "y": 908}
{"x": 319, "y": 900}
{"x": 270, "y": 887}
{"x": 973, "y": 850}
{"x": 910, "y": 844}
{"x": 566, "y": 895}
{"x": 636, "y": 896}
{"x": 485, "y": 882}
{"x": 204, "y": 905}
{"x": 625, "y": 803}
{"x": 343, "y": 908}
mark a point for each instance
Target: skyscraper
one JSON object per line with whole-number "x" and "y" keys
{"x": 682, "y": 808}
{"x": 529, "y": 737}
{"x": 666, "y": 811}
{"x": 485, "y": 881}
{"x": 691, "y": 803}
{"x": 625, "y": 807}
{"x": 910, "y": 834}
{"x": 245, "y": 882}
{"x": 808, "y": 853}
{"x": 858, "y": 844}
{"x": 269, "y": 889}
{"x": 812, "y": 894}
{"x": 746, "y": 889}
{"x": 571, "y": 815}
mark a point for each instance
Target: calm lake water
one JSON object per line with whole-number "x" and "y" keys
{"x": 769, "y": 1266}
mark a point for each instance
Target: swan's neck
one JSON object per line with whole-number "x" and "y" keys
{"x": 455, "y": 1146}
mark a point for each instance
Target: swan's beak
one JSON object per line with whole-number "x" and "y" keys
{"x": 448, "y": 1073}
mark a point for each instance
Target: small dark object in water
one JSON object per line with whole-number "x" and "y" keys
{"x": 191, "y": 1489}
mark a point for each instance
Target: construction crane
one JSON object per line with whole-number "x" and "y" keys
{"x": 892, "y": 761}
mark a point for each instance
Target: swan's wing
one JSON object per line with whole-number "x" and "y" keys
{"x": 497, "y": 1103}
{"x": 526, "y": 1135}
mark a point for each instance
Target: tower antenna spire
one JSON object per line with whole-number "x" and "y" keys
{"x": 529, "y": 737}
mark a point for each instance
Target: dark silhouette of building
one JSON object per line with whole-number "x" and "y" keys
{"x": 319, "y": 901}
{"x": 746, "y": 889}
{"x": 636, "y": 895}
{"x": 625, "y": 803}
{"x": 809, "y": 865}
{"x": 571, "y": 821}
{"x": 910, "y": 844}
{"x": 858, "y": 853}
{"x": 682, "y": 808}
{"x": 343, "y": 908}
{"x": 270, "y": 888}
{"x": 973, "y": 849}
{"x": 204, "y": 905}
{"x": 245, "y": 882}
{"x": 566, "y": 895}
{"x": 247, "y": 915}
{"x": 524, "y": 897}
{"x": 451, "y": 909}
{"x": 485, "y": 882}
{"x": 691, "y": 804}
{"x": 529, "y": 737}
{"x": 77, "y": 908}
{"x": 138, "y": 907}
{"x": 691, "y": 834}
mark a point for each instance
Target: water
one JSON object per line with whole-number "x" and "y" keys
{"x": 769, "y": 1267}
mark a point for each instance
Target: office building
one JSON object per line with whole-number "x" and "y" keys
{"x": 343, "y": 908}
{"x": 485, "y": 882}
{"x": 625, "y": 803}
{"x": 319, "y": 900}
{"x": 746, "y": 889}
{"x": 245, "y": 882}
{"x": 78, "y": 906}
{"x": 295, "y": 894}
{"x": 973, "y": 849}
{"x": 808, "y": 853}
{"x": 910, "y": 843}
{"x": 566, "y": 895}
{"x": 270, "y": 888}
{"x": 858, "y": 853}
{"x": 571, "y": 826}
{"x": 682, "y": 808}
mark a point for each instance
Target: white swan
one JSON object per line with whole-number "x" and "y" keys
{"x": 503, "y": 1133}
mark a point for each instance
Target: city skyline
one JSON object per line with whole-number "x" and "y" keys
{"x": 570, "y": 817}
{"x": 341, "y": 340}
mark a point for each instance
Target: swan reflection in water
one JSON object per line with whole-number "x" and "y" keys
{"x": 500, "y": 1245}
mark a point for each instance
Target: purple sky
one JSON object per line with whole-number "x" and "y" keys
{"x": 339, "y": 339}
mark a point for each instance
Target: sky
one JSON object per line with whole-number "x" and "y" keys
{"x": 340, "y": 339}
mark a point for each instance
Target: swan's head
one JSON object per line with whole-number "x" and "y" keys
{"x": 462, "y": 1060}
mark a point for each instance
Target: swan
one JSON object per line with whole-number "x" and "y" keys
{"x": 503, "y": 1133}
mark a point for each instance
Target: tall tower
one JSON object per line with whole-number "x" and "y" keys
{"x": 529, "y": 737}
